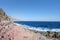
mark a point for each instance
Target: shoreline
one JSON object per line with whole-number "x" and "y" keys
{"x": 24, "y": 33}
{"x": 39, "y": 28}
{"x": 48, "y": 34}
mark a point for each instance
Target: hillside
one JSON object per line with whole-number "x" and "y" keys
{"x": 3, "y": 16}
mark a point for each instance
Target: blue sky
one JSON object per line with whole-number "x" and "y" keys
{"x": 32, "y": 10}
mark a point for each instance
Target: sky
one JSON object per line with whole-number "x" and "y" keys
{"x": 32, "y": 10}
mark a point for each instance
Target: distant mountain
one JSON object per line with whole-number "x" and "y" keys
{"x": 5, "y": 17}
{"x": 14, "y": 19}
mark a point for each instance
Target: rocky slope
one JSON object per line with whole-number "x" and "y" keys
{"x": 3, "y": 16}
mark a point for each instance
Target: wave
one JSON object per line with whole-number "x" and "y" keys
{"x": 39, "y": 28}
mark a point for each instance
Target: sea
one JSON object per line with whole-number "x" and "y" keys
{"x": 53, "y": 26}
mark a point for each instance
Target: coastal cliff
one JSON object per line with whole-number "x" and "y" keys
{"x": 3, "y": 16}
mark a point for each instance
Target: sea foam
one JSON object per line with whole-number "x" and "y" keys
{"x": 38, "y": 28}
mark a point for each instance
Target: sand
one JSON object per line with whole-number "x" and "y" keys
{"x": 21, "y": 33}
{"x": 15, "y": 32}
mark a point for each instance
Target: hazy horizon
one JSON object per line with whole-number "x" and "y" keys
{"x": 32, "y": 10}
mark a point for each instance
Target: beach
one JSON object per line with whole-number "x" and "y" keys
{"x": 15, "y": 32}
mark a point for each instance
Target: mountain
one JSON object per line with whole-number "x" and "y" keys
{"x": 3, "y": 16}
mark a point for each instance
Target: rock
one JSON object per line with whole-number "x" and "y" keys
{"x": 52, "y": 34}
{"x": 6, "y": 33}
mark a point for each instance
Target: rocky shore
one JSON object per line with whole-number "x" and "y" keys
{"x": 9, "y": 31}
{"x": 49, "y": 34}
{"x": 52, "y": 34}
